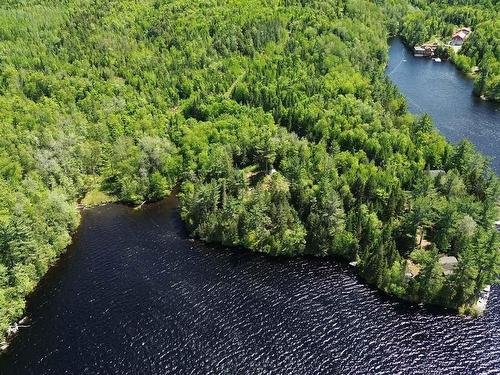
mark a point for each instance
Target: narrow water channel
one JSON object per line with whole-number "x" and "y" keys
{"x": 443, "y": 92}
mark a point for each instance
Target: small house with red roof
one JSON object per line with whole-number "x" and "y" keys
{"x": 460, "y": 35}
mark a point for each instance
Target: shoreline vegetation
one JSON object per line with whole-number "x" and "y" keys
{"x": 477, "y": 56}
{"x": 95, "y": 196}
{"x": 275, "y": 119}
{"x": 444, "y": 56}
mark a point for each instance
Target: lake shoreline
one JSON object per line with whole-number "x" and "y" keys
{"x": 172, "y": 201}
{"x": 470, "y": 75}
{"x": 327, "y": 275}
{"x": 81, "y": 206}
{"x": 456, "y": 112}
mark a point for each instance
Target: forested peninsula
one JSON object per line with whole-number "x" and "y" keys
{"x": 272, "y": 117}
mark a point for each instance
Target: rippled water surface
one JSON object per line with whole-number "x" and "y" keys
{"x": 440, "y": 90}
{"x": 134, "y": 295}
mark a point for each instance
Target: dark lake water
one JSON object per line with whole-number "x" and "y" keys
{"x": 443, "y": 92}
{"x": 134, "y": 295}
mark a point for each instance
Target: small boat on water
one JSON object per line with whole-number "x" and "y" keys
{"x": 437, "y": 59}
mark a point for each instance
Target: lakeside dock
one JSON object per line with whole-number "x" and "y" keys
{"x": 483, "y": 300}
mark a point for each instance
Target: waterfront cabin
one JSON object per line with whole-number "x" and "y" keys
{"x": 425, "y": 50}
{"x": 460, "y": 35}
{"x": 418, "y": 51}
{"x": 448, "y": 263}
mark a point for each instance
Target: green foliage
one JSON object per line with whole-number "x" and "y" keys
{"x": 274, "y": 118}
{"x": 430, "y": 20}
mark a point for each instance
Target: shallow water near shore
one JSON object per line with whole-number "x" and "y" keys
{"x": 135, "y": 295}
{"x": 445, "y": 93}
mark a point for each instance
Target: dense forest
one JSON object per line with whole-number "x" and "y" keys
{"x": 272, "y": 117}
{"x": 438, "y": 20}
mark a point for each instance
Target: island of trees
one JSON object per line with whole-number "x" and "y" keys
{"x": 273, "y": 118}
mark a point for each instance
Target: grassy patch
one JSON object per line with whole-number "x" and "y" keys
{"x": 96, "y": 197}
{"x": 469, "y": 311}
